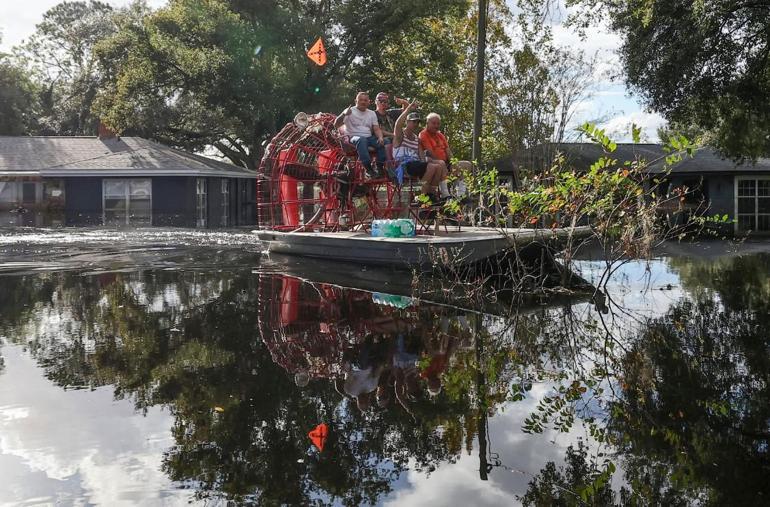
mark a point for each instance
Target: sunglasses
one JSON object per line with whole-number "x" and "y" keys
{"x": 382, "y": 100}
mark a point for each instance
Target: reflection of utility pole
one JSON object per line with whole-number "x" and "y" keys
{"x": 481, "y": 400}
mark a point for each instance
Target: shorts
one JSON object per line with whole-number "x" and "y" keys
{"x": 416, "y": 168}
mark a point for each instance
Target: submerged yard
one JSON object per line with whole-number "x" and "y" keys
{"x": 164, "y": 367}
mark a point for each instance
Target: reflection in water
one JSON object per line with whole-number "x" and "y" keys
{"x": 246, "y": 364}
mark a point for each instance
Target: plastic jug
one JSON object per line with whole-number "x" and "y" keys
{"x": 377, "y": 229}
{"x": 406, "y": 227}
{"x": 399, "y": 228}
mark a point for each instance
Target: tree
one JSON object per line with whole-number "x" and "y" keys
{"x": 201, "y": 73}
{"x": 704, "y": 64}
{"x": 60, "y": 56}
{"x": 17, "y": 99}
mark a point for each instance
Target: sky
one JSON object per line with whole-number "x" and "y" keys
{"x": 610, "y": 101}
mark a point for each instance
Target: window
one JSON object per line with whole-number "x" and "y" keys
{"x": 53, "y": 190}
{"x": 752, "y": 203}
{"x": 28, "y": 191}
{"x": 202, "y": 202}
{"x": 127, "y": 201}
{"x": 225, "y": 216}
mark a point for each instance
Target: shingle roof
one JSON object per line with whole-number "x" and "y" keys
{"x": 582, "y": 155}
{"x": 87, "y": 156}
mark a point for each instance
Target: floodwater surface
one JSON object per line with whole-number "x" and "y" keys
{"x": 168, "y": 367}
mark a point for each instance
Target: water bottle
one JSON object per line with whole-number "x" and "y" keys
{"x": 377, "y": 231}
{"x": 406, "y": 227}
{"x": 391, "y": 231}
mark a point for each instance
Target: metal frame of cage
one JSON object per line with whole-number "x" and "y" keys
{"x": 310, "y": 179}
{"x": 297, "y": 338}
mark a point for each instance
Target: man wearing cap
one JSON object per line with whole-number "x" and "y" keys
{"x": 409, "y": 153}
{"x": 387, "y": 117}
{"x": 364, "y": 131}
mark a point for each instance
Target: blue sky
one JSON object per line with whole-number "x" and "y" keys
{"x": 609, "y": 101}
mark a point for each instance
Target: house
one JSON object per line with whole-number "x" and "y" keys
{"x": 718, "y": 185}
{"x": 114, "y": 181}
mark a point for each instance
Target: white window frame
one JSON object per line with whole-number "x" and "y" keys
{"x": 225, "y": 216}
{"x": 127, "y": 195}
{"x": 201, "y": 202}
{"x": 757, "y": 214}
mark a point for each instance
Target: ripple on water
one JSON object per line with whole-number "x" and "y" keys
{"x": 32, "y": 250}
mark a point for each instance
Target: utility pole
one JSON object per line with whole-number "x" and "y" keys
{"x": 478, "y": 104}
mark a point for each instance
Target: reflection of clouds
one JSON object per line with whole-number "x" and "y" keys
{"x": 81, "y": 444}
{"x": 636, "y": 290}
{"x": 524, "y": 456}
{"x": 641, "y": 291}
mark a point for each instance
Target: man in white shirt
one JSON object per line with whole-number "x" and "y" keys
{"x": 362, "y": 127}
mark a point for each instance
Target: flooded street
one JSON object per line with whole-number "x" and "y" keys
{"x": 163, "y": 367}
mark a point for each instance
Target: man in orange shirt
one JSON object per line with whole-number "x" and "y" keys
{"x": 436, "y": 146}
{"x": 434, "y": 141}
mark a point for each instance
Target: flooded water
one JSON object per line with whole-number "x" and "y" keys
{"x": 166, "y": 367}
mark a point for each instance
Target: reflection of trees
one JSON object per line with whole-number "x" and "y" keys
{"x": 694, "y": 418}
{"x": 691, "y": 422}
{"x": 561, "y": 486}
{"x": 694, "y": 384}
{"x": 187, "y": 341}
{"x": 742, "y": 282}
{"x": 697, "y": 403}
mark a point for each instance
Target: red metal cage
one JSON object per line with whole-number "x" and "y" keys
{"x": 310, "y": 179}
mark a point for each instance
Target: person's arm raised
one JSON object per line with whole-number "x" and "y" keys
{"x": 339, "y": 120}
{"x": 399, "y": 127}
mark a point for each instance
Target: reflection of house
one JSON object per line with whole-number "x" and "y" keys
{"x": 725, "y": 187}
{"x": 117, "y": 182}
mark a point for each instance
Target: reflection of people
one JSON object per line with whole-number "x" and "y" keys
{"x": 405, "y": 372}
{"x": 363, "y": 376}
{"x": 364, "y": 131}
{"x": 301, "y": 378}
{"x": 360, "y": 383}
{"x": 438, "y": 348}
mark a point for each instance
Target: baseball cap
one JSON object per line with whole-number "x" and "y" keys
{"x": 381, "y": 95}
{"x": 415, "y": 116}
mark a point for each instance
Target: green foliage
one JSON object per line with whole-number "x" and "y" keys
{"x": 619, "y": 200}
{"x": 60, "y": 57}
{"x": 700, "y": 64}
{"x": 204, "y": 73}
{"x": 580, "y": 482}
{"x": 17, "y": 99}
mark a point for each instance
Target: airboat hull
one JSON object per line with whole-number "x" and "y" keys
{"x": 469, "y": 246}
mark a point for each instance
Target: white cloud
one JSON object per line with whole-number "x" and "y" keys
{"x": 522, "y": 455}
{"x": 619, "y": 128}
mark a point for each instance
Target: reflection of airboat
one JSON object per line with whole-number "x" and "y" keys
{"x": 315, "y": 200}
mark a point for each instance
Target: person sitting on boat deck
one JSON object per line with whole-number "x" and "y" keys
{"x": 364, "y": 131}
{"x": 435, "y": 144}
{"x": 387, "y": 117}
{"x": 408, "y": 153}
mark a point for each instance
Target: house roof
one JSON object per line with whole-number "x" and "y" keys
{"x": 91, "y": 156}
{"x": 582, "y": 155}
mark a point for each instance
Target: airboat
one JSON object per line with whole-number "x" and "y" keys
{"x": 314, "y": 199}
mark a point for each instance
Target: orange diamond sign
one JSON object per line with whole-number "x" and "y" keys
{"x": 317, "y": 53}
{"x": 318, "y": 436}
